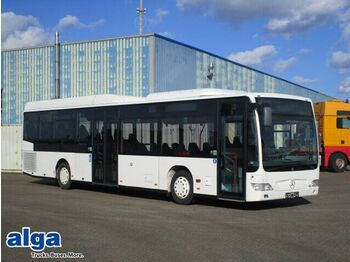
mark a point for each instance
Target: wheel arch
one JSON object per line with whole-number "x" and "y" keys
{"x": 59, "y": 162}
{"x": 334, "y": 166}
{"x": 329, "y": 151}
{"x": 342, "y": 153}
{"x": 172, "y": 171}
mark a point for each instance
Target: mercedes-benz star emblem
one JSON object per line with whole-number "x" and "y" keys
{"x": 292, "y": 184}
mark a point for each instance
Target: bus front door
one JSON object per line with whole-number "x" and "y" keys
{"x": 232, "y": 139}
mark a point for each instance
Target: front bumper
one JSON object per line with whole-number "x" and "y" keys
{"x": 274, "y": 194}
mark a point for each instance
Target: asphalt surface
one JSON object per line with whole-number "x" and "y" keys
{"x": 106, "y": 224}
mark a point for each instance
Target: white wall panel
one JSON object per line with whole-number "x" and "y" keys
{"x": 11, "y": 147}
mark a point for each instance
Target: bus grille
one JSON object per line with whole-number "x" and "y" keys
{"x": 29, "y": 161}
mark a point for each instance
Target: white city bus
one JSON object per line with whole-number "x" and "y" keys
{"x": 228, "y": 144}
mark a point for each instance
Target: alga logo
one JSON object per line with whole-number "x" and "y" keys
{"x": 36, "y": 241}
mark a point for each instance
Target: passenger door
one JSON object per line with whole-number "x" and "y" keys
{"x": 105, "y": 146}
{"x": 232, "y": 148}
{"x": 98, "y": 150}
{"x": 111, "y": 147}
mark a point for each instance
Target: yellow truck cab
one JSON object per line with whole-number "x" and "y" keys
{"x": 333, "y": 120}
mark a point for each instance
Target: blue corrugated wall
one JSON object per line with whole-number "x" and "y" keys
{"x": 124, "y": 66}
{"x": 114, "y": 66}
{"x": 178, "y": 66}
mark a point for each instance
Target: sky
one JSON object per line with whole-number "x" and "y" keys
{"x": 303, "y": 41}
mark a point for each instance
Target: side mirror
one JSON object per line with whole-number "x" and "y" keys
{"x": 267, "y": 115}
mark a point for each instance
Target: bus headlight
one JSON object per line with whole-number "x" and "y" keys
{"x": 262, "y": 187}
{"x": 314, "y": 183}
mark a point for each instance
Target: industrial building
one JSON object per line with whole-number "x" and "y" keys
{"x": 133, "y": 65}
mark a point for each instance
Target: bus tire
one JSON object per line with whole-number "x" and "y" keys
{"x": 182, "y": 187}
{"x": 338, "y": 162}
{"x": 64, "y": 176}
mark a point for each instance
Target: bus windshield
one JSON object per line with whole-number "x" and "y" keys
{"x": 290, "y": 143}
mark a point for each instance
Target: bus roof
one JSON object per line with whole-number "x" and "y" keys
{"x": 171, "y": 96}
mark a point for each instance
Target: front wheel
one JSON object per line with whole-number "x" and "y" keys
{"x": 338, "y": 162}
{"x": 182, "y": 187}
{"x": 64, "y": 176}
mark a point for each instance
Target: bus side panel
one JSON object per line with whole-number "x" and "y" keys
{"x": 83, "y": 168}
{"x": 28, "y": 158}
{"x": 79, "y": 164}
{"x": 46, "y": 162}
{"x": 203, "y": 171}
{"x": 27, "y": 146}
{"x": 138, "y": 171}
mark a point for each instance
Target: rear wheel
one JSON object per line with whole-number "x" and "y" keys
{"x": 338, "y": 162}
{"x": 182, "y": 187}
{"x": 64, "y": 176}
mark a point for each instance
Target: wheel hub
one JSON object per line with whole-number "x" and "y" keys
{"x": 340, "y": 163}
{"x": 182, "y": 187}
{"x": 64, "y": 175}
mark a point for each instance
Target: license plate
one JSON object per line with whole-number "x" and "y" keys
{"x": 292, "y": 195}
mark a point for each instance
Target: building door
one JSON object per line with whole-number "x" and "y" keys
{"x": 232, "y": 149}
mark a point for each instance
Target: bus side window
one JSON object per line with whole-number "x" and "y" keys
{"x": 139, "y": 137}
{"x": 84, "y": 130}
{"x": 170, "y": 137}
{"x": 198, "y": 137}
{"x": 188, "y": 137}
{"x": 65, "y": 125}
{"x": 127, "y": 129}
{"x": 46, "y": 128}
{"x": 31, "y": 123}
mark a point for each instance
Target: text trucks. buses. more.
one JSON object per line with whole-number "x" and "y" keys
{"x": 227, "y": 144}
